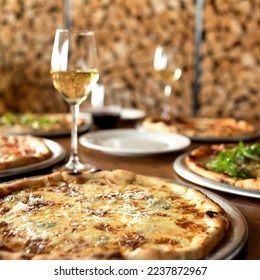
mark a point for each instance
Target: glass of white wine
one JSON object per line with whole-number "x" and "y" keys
{"x": 74, "y": 71}
{"x": 167, "y": 65}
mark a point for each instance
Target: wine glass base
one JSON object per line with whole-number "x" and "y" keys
{"x": 76, "y": 168}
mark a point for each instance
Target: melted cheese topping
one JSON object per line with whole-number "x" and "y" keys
{"x": 99, "y": 218}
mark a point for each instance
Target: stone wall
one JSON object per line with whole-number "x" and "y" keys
{"x": 230, "y": 61}
{"x": 26, "y": 37}
{"x": 127, "y": 32}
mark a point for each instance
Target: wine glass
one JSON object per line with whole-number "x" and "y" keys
{"x": 74, "y": 72}
{"x": 167, "y": 66}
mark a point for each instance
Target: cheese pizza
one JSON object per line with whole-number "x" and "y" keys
{"x": 237, "y": 165}
{"x": 107, "y": 215}
{"x": 200, "y": 127}
{"x": 17, "y": 151}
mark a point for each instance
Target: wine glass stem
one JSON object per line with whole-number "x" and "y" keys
{"x": 166, "y": 111}
{"x": 74, "y": 159}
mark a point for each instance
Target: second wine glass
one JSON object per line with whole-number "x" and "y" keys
{"x": 168, "y": 70}
{"x": 74, "y": 71}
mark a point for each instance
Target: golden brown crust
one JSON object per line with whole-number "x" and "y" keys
{"x": 4, "y": 255}
{"x": 251, "y": 184}
{"x": 217, "y": 177}
{"x": 17, "y": 151}
{"x": 145, "y": 240}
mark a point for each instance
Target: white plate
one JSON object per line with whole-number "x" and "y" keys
{"x": 182, "y": 170}
{"x": 132, "y": 114}
{"x": 58, "y": 154}
{"x": 131, "y": 142}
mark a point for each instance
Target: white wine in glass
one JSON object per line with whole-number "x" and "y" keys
{"x": 168, "y": 70}
{"x": 74, "y": 71}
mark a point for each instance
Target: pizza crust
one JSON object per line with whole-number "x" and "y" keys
{"x": 143, "y": 217}
{"x": 217, "y": 177}
{"x": 17, "y": 151}
{"x": 250, "y": 184}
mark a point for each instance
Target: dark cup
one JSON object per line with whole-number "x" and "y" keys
{"x": 106, "y": 118}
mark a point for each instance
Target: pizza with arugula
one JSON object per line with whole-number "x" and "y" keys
{"x": 39, "y": 124}
{"x": 237, "y": 165}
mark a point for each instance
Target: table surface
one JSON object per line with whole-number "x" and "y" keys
{"x": 161, "y": 165}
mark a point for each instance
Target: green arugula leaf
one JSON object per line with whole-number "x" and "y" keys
{"x": 9, "y": 119}
{"x": 28, "y": 119}
{"x": 234, "y": 161}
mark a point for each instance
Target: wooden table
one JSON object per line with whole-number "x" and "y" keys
{"x": 162, "y": 166}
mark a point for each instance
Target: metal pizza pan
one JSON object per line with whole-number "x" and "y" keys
{"x": 183, "y": 171}
{"x": 58, "y": 154}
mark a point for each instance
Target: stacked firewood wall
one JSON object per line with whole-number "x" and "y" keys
{"x": 26, "y": 37}
{"x": 230, "y": 61}
{"x": 127, "y": 32}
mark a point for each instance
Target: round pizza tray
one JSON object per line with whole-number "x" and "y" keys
{"x": 243, "y": 137}
{"x": 237, "y": 235}
{"x": 58, "y": 154}
{"x": 182, "y": 170}
{"x": 49, "y": 134}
